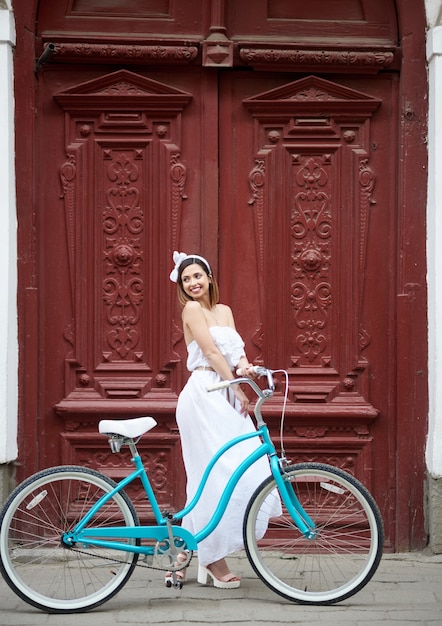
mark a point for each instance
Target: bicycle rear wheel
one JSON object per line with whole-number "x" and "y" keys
{"x": 34, "y": 562}
{"x": 348, "y": 537}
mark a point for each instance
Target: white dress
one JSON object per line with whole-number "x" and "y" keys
{"x": 206, "y": 421}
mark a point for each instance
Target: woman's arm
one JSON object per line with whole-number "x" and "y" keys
{"x": 244, "y": 365}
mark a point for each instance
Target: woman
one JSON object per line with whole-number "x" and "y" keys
{"x": 206, "y": 421}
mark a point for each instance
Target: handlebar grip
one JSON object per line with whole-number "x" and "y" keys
{"x": 221, "y": 385}
{"x": 256, "y": 369}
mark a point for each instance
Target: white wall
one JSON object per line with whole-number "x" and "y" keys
{"x": 433, "y": 11}
{"x": 434, "y": 238}
{"x": 8, "y": 246}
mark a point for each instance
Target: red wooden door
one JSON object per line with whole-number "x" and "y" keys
{"x": 287, "y": 180}
{"x": 124, "y": 195}
{"x": 304, "y": 199}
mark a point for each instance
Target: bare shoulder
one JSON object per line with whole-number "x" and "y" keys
{"x": 191, "y": 309}
{"x": 224, "y": 307}
{"x": 192, "y": 305}
{"x": 227, "y": 314}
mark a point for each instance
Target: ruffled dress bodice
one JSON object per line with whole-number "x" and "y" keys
{"x": 227, "y": 340}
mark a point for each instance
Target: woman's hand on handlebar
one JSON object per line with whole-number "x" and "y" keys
{"x": 249, "y": 370}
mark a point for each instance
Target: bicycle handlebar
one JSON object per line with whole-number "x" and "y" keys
{"x": 263, "y": 394}
{"x": 221, "y": 385}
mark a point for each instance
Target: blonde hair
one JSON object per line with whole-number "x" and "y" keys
{"x": 183, "y": 297}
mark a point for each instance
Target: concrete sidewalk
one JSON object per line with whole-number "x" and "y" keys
{"x": 406, "y": 589}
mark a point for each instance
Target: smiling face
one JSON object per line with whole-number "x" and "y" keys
{"x": 196, "y": 283}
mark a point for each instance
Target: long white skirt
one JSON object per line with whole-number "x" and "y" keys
{"x": 207, "y": 421}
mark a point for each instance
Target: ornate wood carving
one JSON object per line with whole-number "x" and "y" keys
{"x": 85, "y": 52}
{"x": 309, "y": 60}
{"x": 123, "y": 186}
{"x": 219, "y": 51}
{"x": 311, "y": 228}
{"x": 313, "y": 137}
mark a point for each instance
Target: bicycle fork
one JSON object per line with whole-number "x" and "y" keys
{"x": 302, "y": 520}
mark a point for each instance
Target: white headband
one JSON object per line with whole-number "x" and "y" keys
{"x": 179, "y": 257}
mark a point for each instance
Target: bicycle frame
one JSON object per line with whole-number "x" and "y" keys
{"x": 166, "y": 530}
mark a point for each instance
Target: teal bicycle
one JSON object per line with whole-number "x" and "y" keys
{"x": 70, "y": 537}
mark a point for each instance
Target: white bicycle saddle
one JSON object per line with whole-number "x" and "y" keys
{"x": 131, "y": 428}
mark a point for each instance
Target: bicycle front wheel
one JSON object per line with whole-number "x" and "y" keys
{"x": 34, "y": 562}
{"x": 347, "y": 540}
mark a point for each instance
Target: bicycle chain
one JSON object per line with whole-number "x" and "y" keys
{"x": 137, "y": 564}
